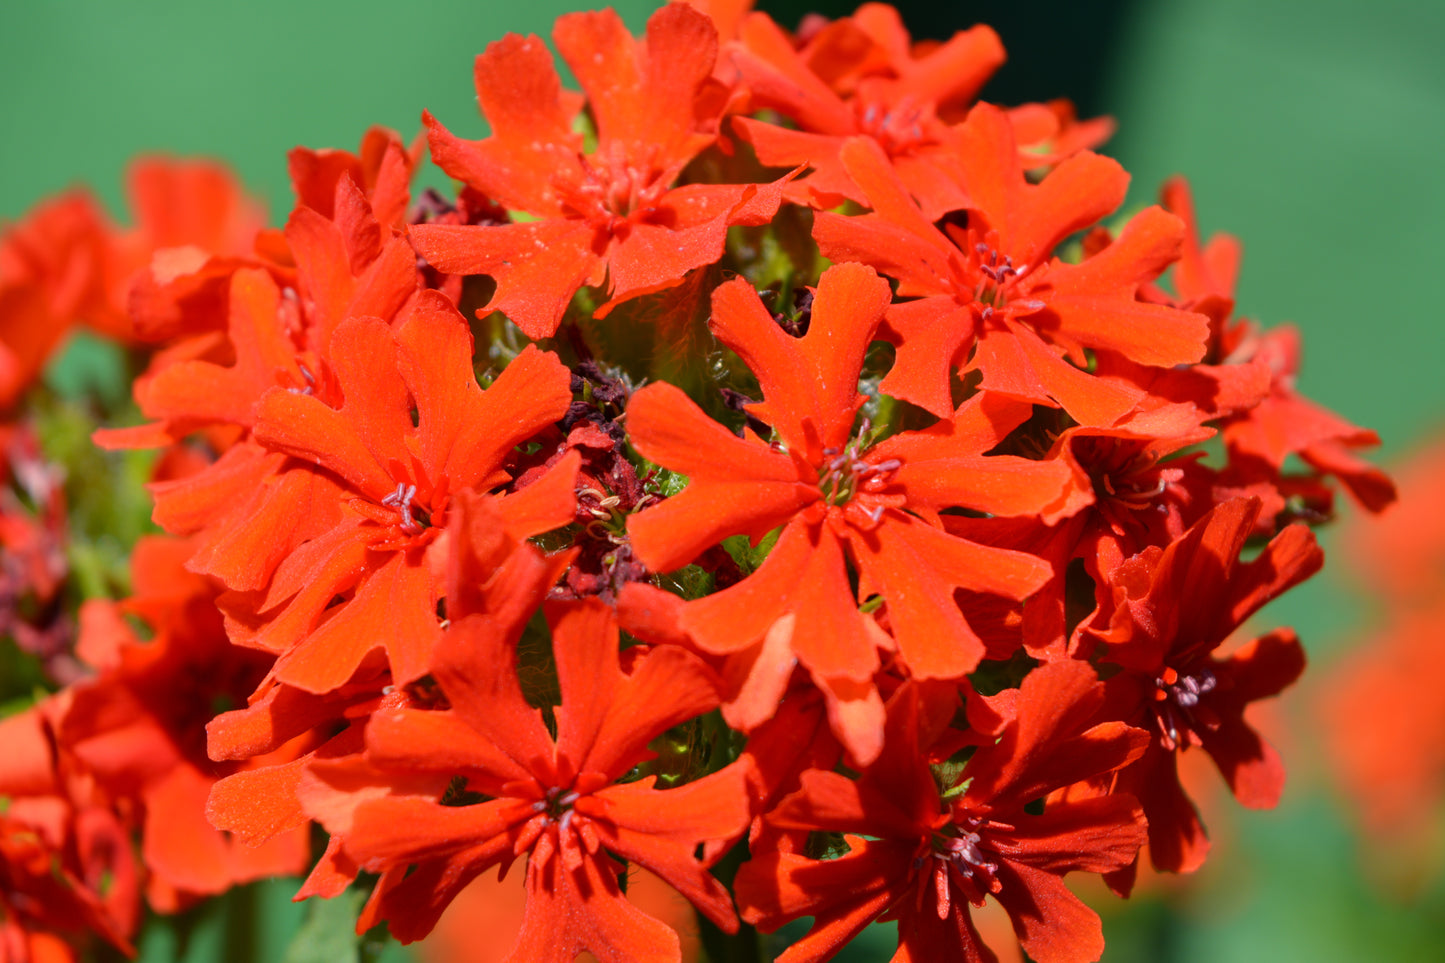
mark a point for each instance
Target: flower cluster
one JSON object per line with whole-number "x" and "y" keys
{"x": 585, "y": 520}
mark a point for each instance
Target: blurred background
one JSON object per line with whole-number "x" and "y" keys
{"x": 1312, "y": 129}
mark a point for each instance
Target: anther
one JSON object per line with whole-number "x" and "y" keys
{"x": 402, "y": 499}
{"x": 310, "y": 381}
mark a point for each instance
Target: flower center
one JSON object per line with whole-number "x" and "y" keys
{"x": 414, "y": 518}
{"x": 402, "y": 521}
{"x": 995, "y": 275}
{"x": 556, "y": 805}
{"x": 845, "y": 475}
{"x": 1177, "y": 711}
{"x": 613, "y": 188}
{"x": 897, "y": 127}
{"x": 960, "y": 861}
{"x": 1131, "y": 480}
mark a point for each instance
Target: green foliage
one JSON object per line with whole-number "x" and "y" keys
{"x": 747, "y": 555}
{"x": 328, "y": 934}
{"x": 22, "y": 680}
{"x": 690, "y": 582}
{"x": 107, "y": 505}
{"x": 993, "y": 676}
{"x": 260, "y": 922}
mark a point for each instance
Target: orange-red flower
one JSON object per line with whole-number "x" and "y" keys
{"x": 1383, "y": 722}
{"x": 1284, "y": 422}
{"x": 66, "y": 264}
{"x": 489, "y": 567}
{"x": 461, "y": 617}
{"x": 194, "y": 225}
{"x": 1173, "y": 608}
{"x": 894, "y": 102}
{"x": 138, "y": 726}
{"x": 66, "y": 862}
{"x": 337, "y": 257}
{"x": 496, "y": 908}
{"x": 836, "y": 497}
{"x": 920, "y": 851}
{"x": 1379, "y": 709}
{"x": 414, "y": 428}
{"x": 994, "y": 297}
{"x": 1401, "y": 554}
{"x": 240, "y": 327}
{"x": 1125, "y": 494}
{"x": 446, "y": 794}
{"x": 45, "y": 910}
{"x": 615, "y": 215}
{"x": 51, "y": 274}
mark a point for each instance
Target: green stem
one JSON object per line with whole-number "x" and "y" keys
{"x": 239, "y": 924}
{"x": 744, "y": 946}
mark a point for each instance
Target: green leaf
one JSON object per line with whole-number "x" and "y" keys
{"x": 329, "y": 933}
{"x": 748, "y": 556}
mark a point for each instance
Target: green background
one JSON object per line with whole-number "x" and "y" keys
{"x": 1312, "y": 129}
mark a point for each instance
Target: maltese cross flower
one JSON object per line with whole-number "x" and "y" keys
{"x": 1174, "y": 608}
{"x": 612, "y": 215}
{"x": 836, "y": 498}
{"x": 992, "y": 297}
{"x": 922, "y": 853}
{"x": 520, "y": 791}
{"x": 895, "y": 106}
{"x": 415, "y": 429}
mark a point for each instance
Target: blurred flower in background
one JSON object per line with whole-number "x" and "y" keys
{"x": 1380, "y": 708}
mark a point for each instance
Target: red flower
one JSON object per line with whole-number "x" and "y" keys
{"x": 611, "y": 216}
{"x": 1383, "y": 723}
{"x": 40, "y": 898}
{"x": 1380, "y": 709}
{"x": 490, "y": 567}
{"x": 279, "y": 320}
{"x": 1284, "y": 422}
{"x": 67, "y": 264}
{"x": 1173, "y": 608}
{"x": 381, "y": 171}
{"x": 1125, "y": 494}
{"x": 1402, "y": 553}
{"x": 66, "y": 862}
{"x": 1050, "y": 133}
{"x": 895, "y": 106}
{"x": 920, "y": 851}
{"x": 397, "y": 477}
{"x": 496, "y": 907}
{"x": 836, "y": 498}
{"x": 194, "y": 226}
{"x": 515, "y": 789}
{"x": 992, "y": 298}
{"x": 1287, "y": 423}
{"x": 51, "y": 275}
{"x": 338, "y": 257}
{"x": 138, "y": 726}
